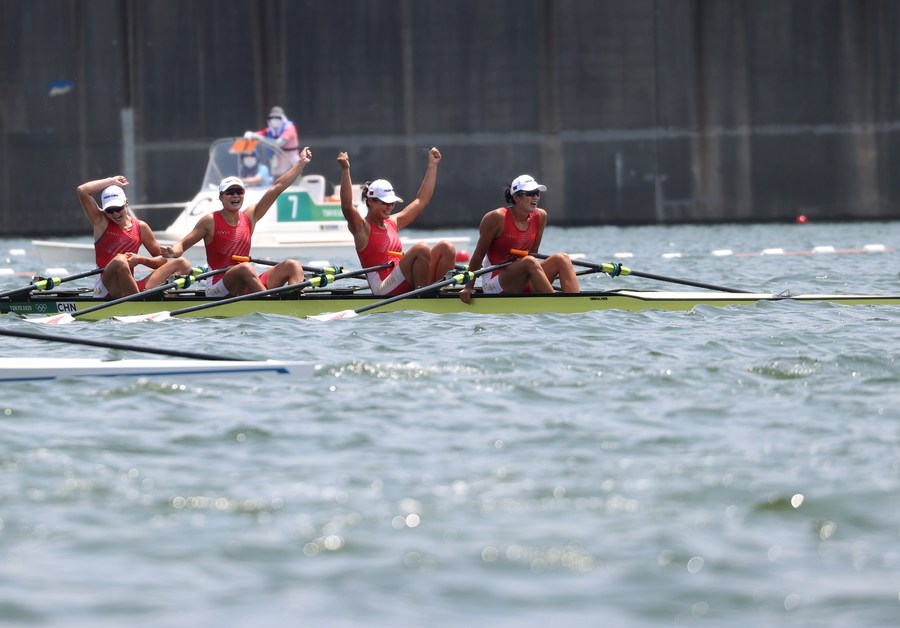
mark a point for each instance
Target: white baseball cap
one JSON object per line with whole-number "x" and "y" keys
{"x": 230, "y": 182}
{"x": 525, "y": 183}
{"x": 113, "y": 196}
{"x": 383, "y": 191}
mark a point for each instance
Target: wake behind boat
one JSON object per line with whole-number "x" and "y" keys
{"x": 305, "y": 223}
{"x": 46, "y": 369}
{"x": 321, "y": 301}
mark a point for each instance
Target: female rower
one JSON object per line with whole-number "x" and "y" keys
{"x": 376, "y": 236}
{"x": 520, "y": 226}
{"x": 118, "y": 237}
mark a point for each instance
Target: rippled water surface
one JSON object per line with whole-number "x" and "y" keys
{"x": 723, "y": 466}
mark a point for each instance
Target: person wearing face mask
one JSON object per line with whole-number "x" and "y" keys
{"x": 253, "y": 172}
{"x": 118, "y": 237}
{"x": 284, "y": 132}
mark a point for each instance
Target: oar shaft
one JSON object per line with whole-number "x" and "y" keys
{"x": 37, "y": 285}
{"x": 278, "y": 290}
{"x": 115, "y": 345}
{"x": 147, "y": 293}
{"x": 624, "y": 270}
{"x": 268, "y": 262}
{"x": 684, "y": 282}
{"x": 455, "y": 279}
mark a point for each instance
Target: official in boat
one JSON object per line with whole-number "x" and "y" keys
{"x": 228, "y": 232}
{"x": 284, "y": 132}
{"x": 518, "y": 226}
{"x": 118, "y": 236}
{"x": 377, "y": 236}
{"x": 253, "y": 172}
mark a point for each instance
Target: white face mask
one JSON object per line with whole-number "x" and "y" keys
{"x": 250, "y": 162}
{"x": 275, "y": 124}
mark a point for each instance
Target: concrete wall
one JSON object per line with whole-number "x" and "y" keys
{"x": 631, "y": 111}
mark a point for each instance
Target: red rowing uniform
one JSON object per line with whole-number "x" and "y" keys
{"x": 512, "y": 238}
{"x": 376, "y": 252}
{"x": 117, "y": 240}
{"x": 227, "y": 241}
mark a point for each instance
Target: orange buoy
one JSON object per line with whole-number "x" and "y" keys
{"x": 801, "y": 219}
{"x": 462, "y": 256}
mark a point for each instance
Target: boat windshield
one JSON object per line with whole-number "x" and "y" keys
{"x": 225, "y": 157}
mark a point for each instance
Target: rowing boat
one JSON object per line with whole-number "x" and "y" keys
{"x": 44, "y": 369}
{"x": 333, "y": 299}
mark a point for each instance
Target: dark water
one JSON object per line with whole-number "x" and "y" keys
{"x": 735, "y": 466}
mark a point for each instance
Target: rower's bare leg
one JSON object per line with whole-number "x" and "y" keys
{"x": 288, "y": 272}
{"x": 415, "y": 264}
{"x": 560, "y": 265}
{"x": 175, "y": 266}
{"x": 118, "y": 279}
{"x": 242, "y": 278}
{"x": 528, "y": 269}
{"x": 443, "y": 260}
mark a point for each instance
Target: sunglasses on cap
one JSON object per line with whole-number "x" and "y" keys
{"x": 234, "y": 192}
{"x": 114, "y": 210}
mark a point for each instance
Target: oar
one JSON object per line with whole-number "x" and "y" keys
{"x": 320, "y": 281}
{"x": 328, "y": 270}
{"x": 183, "y": 281}
{"x": 461, "y": 278}
{"x": 48, "y": 283}
{"x": 116, "y": 345}
{"x": 614, "y": 269}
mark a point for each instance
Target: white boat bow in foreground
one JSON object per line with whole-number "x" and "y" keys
{"x": 44, "y": 369}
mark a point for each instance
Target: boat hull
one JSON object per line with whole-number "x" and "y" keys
{"x": 324, "y": 301}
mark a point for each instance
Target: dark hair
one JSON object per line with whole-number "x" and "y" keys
{"x": 507, "y": 193}
{"x": 365, "y": 188}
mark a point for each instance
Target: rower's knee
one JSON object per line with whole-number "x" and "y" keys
{"x": 180, "y": 266}
{"x": 444, "y": 248}
{"x": 419, "y": 249}
{"x": 118, "y": 264}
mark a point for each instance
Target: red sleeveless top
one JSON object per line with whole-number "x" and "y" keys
{"x": 512, "y": 238}
{"x": 117, "y": 240}
{"x": 228, "y": 241}
{"x": 381, "y": 240}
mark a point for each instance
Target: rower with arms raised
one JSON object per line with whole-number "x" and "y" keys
{"x": 228, "y": 232}
{"x": 377, "y": 239}
{"x": 118, "y": 237}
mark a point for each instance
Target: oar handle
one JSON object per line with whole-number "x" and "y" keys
{"x": 48, "y": 283}
{"x": 614, "y": 269}
{"x": 322, "y": 280}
